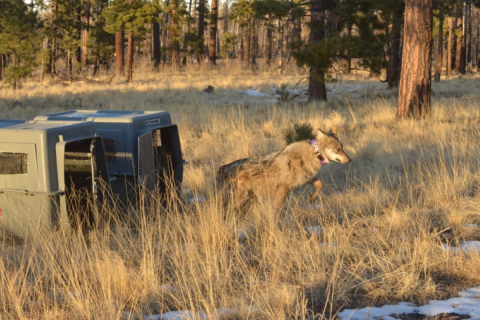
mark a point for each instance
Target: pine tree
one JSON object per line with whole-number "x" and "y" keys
{"x": 100, "y": 44}
{"x": 18, "y": 40}
{"x": 242, "y": 13}
{"x": 415, "y": 82}
{"x": 128, "y": 17}
{"x": 270, "y": 11}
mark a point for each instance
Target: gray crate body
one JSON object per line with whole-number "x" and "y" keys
{"x": 125, "y": 128}
{"x": 35, "y": 200}
{"x": 4, "y": 123}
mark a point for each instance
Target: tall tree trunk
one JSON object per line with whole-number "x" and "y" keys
{"x": 69, "y": 66}
{"x": 449, "y": 46}
{"x": 201, "y": 27}
{"x": 14, "y": 64}
{"x": 53, "y": 56}
{"x": 395, "y": 40}
{"x": 96, "y": 67}
{"x": 460, "y": 53}
{"x": 268, "y": 59}
{"x": 478, "y": 48}
{"x": 242, "y": 46}
{"x": 468, "y": 37}
{"x": 130, "y": 51}
{"x": 129, "y": 73}
{"x": 316, "y": 78}
{"x": 347, "y": 60}
{"x": 173, "y": 34}
{"x": 164, "y": 33}
{"x": 212, "y": 46}
{"x": 77, "y": 54}
{"x": 225, "y": 17}
{"x": 248, "y": 42}
{"x": 438, "y": 67}
{"x": 281, "y": 46}
{"x": 119, "y": 60}
{"x": 415, "y": 82}
{"x": 297, "y": 29}
{"x": 85, "y": 18}
{"x": 254, "y": 41}
{"x": 156, "y": 54}
{"x": 53, "y": 41}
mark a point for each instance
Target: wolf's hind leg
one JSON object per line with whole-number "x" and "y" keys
{"x": 318, "y": 188}
{"x": 240, "y": 196}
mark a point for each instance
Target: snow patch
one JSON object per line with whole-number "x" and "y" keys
{"x": 254, "y": 93}
{"x": 467, "y": 304}
{"x": 197, "y": 199}
{"x": 469, "y": 246}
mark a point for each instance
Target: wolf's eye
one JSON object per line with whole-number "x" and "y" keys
{"x": 338, "y": 150}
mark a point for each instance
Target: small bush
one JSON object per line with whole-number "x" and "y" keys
{"x": 299, "y": 132}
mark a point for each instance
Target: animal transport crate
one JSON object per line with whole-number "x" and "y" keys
{"x": 50, "y": 175}
{"x": 142, "y": 148}
{"x": 9, "y": 123}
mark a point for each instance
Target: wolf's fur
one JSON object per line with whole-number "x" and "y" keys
{"x": 279, "y": 172}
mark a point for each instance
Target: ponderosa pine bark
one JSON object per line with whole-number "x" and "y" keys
{"x": 129, "y": 73}
{"x": 395, "y": 37}
{"x": 347, "y": 60}
{"x": 248, "y": 43}
{"x": 478, "y": 49}
{"x": 438, "y": 67}
{"x": 468, "y": 35}
{"x": 316, "y": 77}
{"x": 201, "y": 27}
{"x": 415, "y": 90}
{"x": 449, "y": 46}
{"x": 254, "y": 44}
{"x": 119, "y": 59}
{"x": 156, "y": 50}
{"x": 85, "y": 29}
{"x": 52, "y": 41}
{"x": 213, "y": 34}
{"x": 268, "y": 58}
{"x": 173, "y": 34}
{"x": 460, "y": 50}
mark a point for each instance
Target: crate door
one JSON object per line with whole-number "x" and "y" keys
{"x": 98, "y": 165}
{"x": 84, "y": 167}
{"x": 147, "y": 175}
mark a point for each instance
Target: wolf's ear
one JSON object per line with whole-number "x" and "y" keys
{"x": 334, "y": 131}
{"x": 321, "y": 134}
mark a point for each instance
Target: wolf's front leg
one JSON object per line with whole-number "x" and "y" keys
{"x": 318, "y": 189}
{"x": 282, "y": 191}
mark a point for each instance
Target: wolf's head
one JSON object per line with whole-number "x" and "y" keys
{"x": 330, "y": 148}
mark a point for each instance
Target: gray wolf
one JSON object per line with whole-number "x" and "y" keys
{"x": 279, "y": 172}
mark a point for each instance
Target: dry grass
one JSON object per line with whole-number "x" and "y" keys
{"x": 412, "y": 186}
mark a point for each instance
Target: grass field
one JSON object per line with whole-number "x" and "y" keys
{"x": 376, "y": 235}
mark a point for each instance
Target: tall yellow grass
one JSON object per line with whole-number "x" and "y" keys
{"x": 412, "y": 186}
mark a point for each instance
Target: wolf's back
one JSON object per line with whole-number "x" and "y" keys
{"x": 250, "y": 167}
{"x": 228, "y": 171}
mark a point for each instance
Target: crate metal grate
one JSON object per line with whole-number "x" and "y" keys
{"x": 110, "y": 146}
{"x": 13, "y": 163}
{"x": 146, "y": 162}
{"x": 78, "y": 157}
